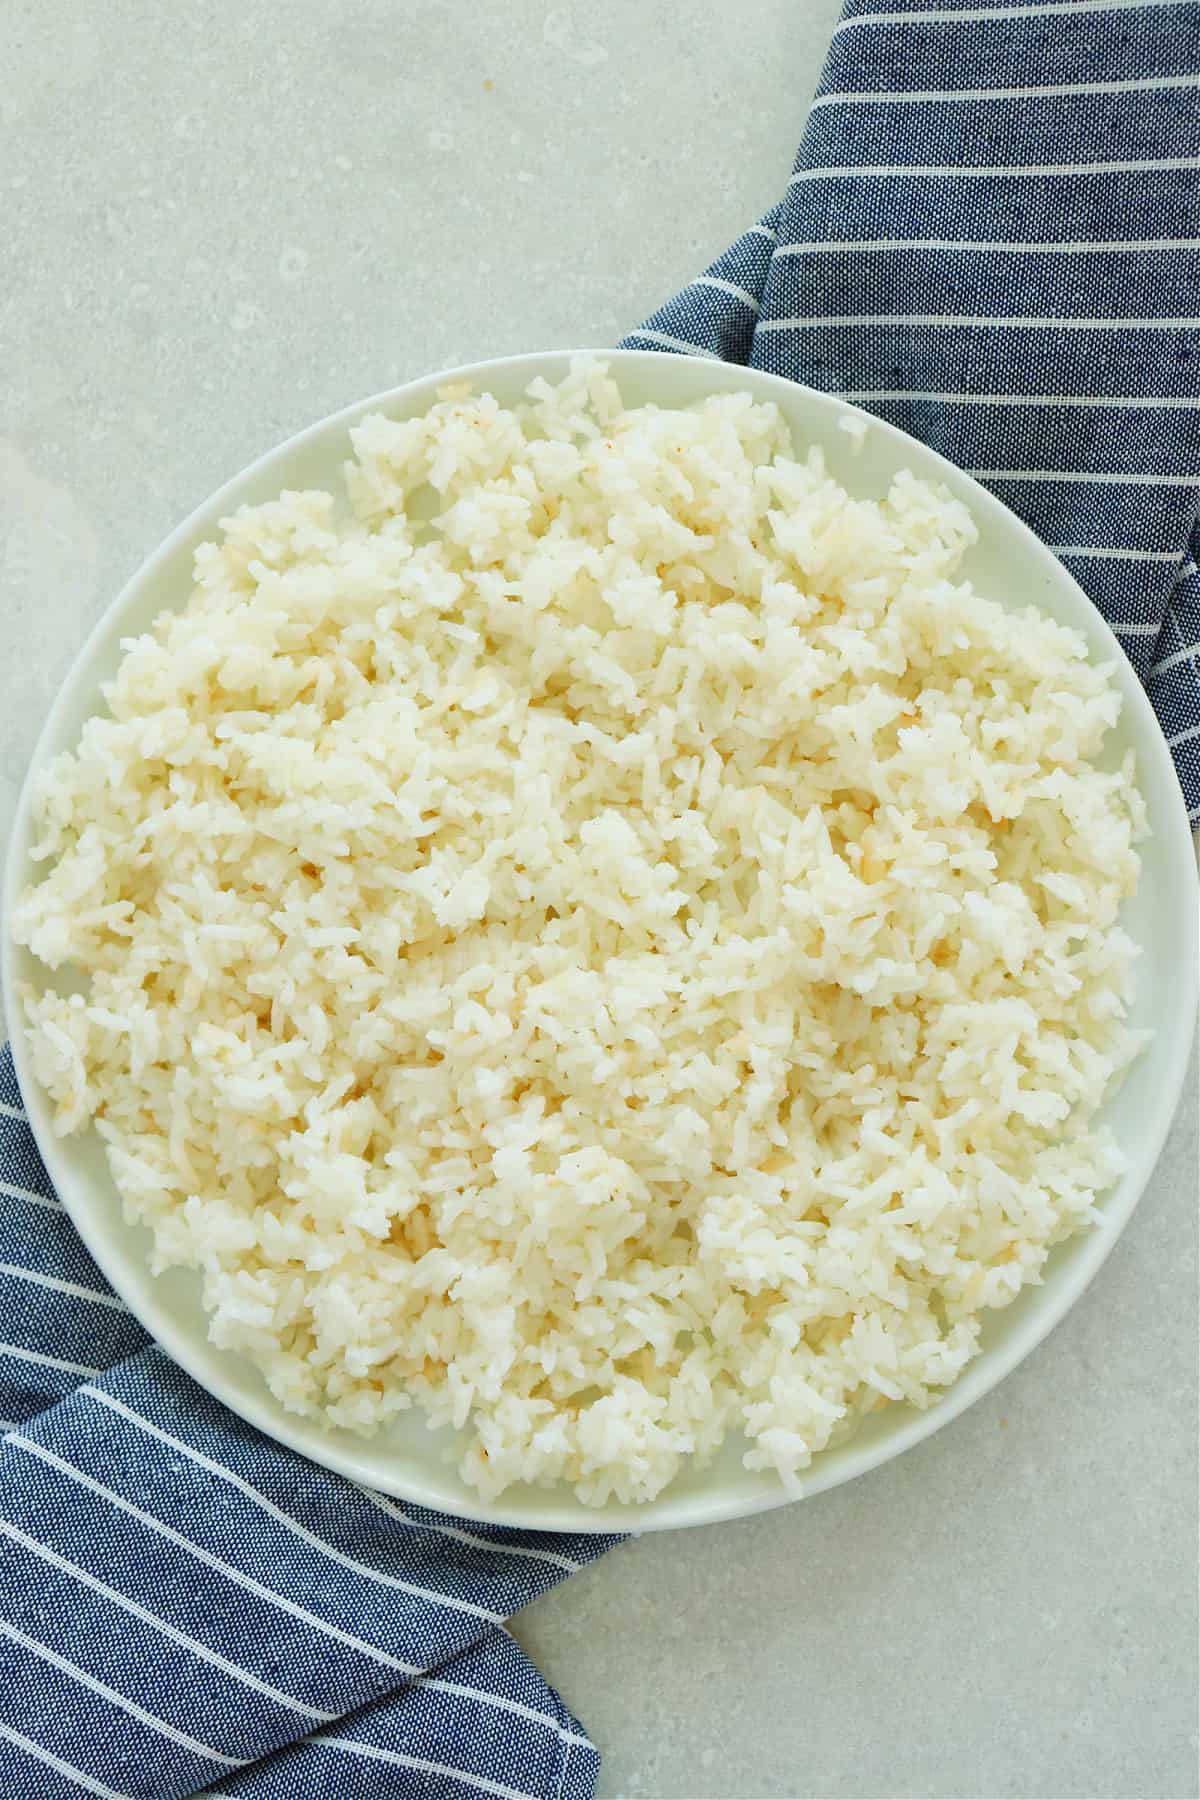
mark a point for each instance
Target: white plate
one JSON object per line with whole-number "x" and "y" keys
{"x": 1009, "y": 563}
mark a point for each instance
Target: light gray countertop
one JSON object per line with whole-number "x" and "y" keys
{"x": 221, "y": 221}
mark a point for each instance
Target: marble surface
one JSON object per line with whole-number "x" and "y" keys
{"x": 223, "y": 221}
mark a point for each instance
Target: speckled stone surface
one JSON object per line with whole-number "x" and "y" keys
{"x": 222, "y": 221}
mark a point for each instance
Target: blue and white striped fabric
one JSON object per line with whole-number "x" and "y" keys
{"x": 188, "y": 1607}
{"x": 992, "y": 239}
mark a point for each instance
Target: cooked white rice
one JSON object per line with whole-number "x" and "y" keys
{"x": 633, "y": 959}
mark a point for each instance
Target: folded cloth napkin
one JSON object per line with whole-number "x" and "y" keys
{"x": 991, "y": 239}
{"x": 180, "y": 1597}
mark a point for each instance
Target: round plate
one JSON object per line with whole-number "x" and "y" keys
{"x": 1009, "y": 563}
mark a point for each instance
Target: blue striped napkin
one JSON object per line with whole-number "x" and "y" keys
{"x": 181, "y": 1598}
{"x": 991, "y": 239}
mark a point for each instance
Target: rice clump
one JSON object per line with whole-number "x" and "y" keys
{"x": 606, "y": 938}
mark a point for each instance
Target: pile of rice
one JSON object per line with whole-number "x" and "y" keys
{"x": 609, "y": 940}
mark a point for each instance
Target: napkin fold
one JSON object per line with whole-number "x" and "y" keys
{"x": 991, "y": 239}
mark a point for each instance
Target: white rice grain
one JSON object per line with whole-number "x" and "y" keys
{"x": 614, "y": 941}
